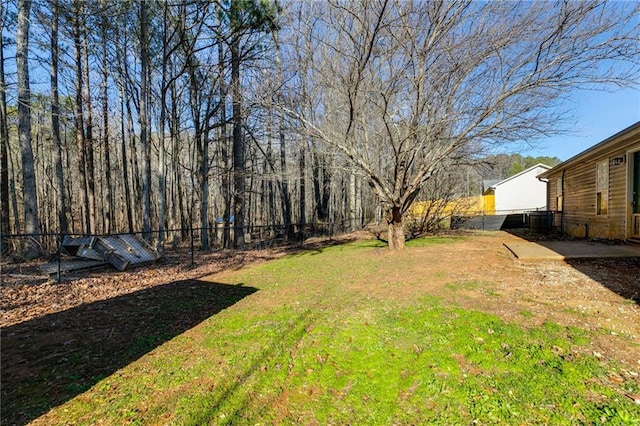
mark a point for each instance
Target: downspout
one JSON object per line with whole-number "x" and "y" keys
{"x": 545, "y": 180}
{"x": 561, "y": 208}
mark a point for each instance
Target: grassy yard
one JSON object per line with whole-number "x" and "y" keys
{"x": 352, "y": 334}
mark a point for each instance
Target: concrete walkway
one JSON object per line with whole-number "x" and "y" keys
{"x": 561, "y": 250}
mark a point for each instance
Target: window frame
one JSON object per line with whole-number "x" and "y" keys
{"x": 559, "y": 192}
{"x": 602, "y": 188}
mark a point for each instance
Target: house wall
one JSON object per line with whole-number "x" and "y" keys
{"x": 579, "y": 218}
{"x": 523, "y": 193}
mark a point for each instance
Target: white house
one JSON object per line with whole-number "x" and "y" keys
{"x": 520, "y": 193}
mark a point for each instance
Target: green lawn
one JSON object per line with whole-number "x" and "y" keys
{"x": 336, "y": 336}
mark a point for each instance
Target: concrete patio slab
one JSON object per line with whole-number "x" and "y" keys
{"x": 562, "y": 250}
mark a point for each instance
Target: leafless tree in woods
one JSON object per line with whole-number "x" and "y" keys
{"x": 31, "y": 221}
{"x": 106, "y": 131}
{"x": 4, "y": 136}
{"x": 405, "y": 88}
{"x": 144, "y": 119}
{"x": 55, "y": 119}
{"x": 246, "y": 19}
{"x": 81, "y": 142}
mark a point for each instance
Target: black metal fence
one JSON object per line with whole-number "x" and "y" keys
{"x": 50, "y": 246}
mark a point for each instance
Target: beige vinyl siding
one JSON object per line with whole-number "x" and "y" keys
{"x": 552, "y": 200}
{"x": 554, "y": 192}
{"x": 579, "y": 204}
{"x": 579, "y": 213}
{"x": 559, "y": 194}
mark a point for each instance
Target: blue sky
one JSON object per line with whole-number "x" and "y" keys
{"x": 598, "y": 115}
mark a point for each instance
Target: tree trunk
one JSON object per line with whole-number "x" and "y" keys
{"x": 303, "y": 187}
{"x": 68, "y": 189}
{"x": 31, "y": 219}
{"x": 5, "y": 228}
{"x": 79, "y": 122}
{"x": 250, "y": 200}
{"x": 284, "y": 184}
{"x": 238, "y": 142}
{"x": 396, "y": 229}
{"x": 125, "y": 163}
{"x": 352, "y": 201}
{"x": 108, "y": 223}
{"x": 55, "y": 121}
{"x": 13, "y": 192}
{"x": 202, "y": 142}
{"x": 176, "y": 190}
{"x": 133, "y": 163}
{"x": 321, "y": 185}
{"x": 126, "y": 187}
{"x": 271, "y": 196}
{"x": 88, "y": 141}
{"x": 224, "y": 151}
{"x": 317, "y": 197}
{"x": 359, "y": 212}
{"x": 144, "y": 122}
{"x": 162, "y": 154}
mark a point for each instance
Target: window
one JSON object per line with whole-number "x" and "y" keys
{"x": 602, "y": 188}
{"x": 559, "y": 194}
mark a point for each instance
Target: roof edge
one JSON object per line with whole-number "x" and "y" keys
{"x": 521, "y": 173}
{"x": 592, "y": 150}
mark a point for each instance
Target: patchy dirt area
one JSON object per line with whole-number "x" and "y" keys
{"x": 60, "y": 339}
{"x": 599, "y": 295}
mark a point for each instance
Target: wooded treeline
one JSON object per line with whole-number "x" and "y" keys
{"x": 158, "y": 115}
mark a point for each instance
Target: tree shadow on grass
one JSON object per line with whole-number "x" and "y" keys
{"x": 51, "y": 359}
{"x": 314, "y": 247}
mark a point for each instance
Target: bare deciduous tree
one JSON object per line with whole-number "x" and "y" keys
{"x": 406, "y": 88}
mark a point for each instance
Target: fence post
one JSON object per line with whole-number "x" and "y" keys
{"x": 59, "y": 250}
{"x": 1, "y": 257}
{"x": 191, "y": 244}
